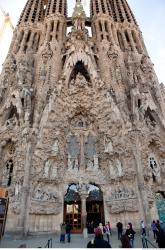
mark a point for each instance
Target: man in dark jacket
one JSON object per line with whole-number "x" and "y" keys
{"x": 98, "y": 241}
{"x": 68, "y": 230}
{"x": 119, "y": 226}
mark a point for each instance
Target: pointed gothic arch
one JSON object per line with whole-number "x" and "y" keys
{"x": 80, "y": 68}
{"x": 82, "y": 61}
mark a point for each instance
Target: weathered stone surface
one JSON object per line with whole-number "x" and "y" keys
{"x": 80, "y": 108}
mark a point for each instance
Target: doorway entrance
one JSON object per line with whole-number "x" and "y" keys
{"x": 95, "y": 208}
{"x": 72, "y": 209}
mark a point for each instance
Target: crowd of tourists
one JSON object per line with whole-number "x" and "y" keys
{"x": 127, "y": 237}
{"x": 103, "y": 234}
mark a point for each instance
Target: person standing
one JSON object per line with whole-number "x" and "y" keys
{"x": 102, "y": 228}
{"x": 68, "y": 231}
{"x": 63, "y": 231}
{"x": 110, "y": 229}
{"x": 143, "y": 230}
{"x": 119, "y": 226}
{"x": 154, "y": 228}
{"x": 131, "y": 234}
{"x": 107, "y": 231}
{"x": 98, "y": 241}
{"x": 158, "y": 225}
{"x": 161, "y": 238}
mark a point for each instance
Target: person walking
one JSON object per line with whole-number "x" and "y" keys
{"x": 143, "y": 230}
{"x": 131, "y": 234}
{"x": 98, "y": 241}
{"x": 107, "y": 231}
{"x": 68, "y": 231}
{"x": 154, "y": 228}
{"x": 63, "y": 231}
{"x": 119, "y": 226}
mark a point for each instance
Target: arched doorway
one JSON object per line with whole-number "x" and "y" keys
{"x": 73, "y": 213}
{"x": 72, "y": 209}
{"x": 94, "y": 207}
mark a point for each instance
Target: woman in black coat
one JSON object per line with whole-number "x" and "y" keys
{"x": 131, "y": 234}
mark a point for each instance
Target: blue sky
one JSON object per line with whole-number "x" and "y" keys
{"x": 150, "y": 15}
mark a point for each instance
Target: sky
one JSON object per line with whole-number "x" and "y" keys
{"x": 150, "y": 15}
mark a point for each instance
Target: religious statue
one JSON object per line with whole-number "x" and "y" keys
{"x": 155, "y": 168}
{"x": 46, "y": 169}
{"x": 54, "y": 171}
{"x": 90, "y": 165}
{"x": 108, "y": 147}
{"x": 115, "y": 169}
{"x": 96, "y": 162}
{"x": 55, "y": 147}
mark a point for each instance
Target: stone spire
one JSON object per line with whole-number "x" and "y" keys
{"x": 118, "y": 10}
{"x": 79, "y": 16}
{"x": 32, "y": 12}
{"x": 55, "y": 20}
{"x": 106, "y": 15}
{"x": 78, "y": 11}
{"x": 28, "y": 31}
{"x": 56, "y": 7}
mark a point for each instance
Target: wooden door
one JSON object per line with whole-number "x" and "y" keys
{"x": 72, "y": 215}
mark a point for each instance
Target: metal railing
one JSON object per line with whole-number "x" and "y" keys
{"x": 146, "y": 243}
{"x": 49, "y": 244}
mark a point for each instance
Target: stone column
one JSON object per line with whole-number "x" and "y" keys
{"x": 23, "y": 43}
{"x": 83, "y": 191}
{"x": 31, "y": 40}
{"x": 124, "y": 39}
{"x": 131, "y": 40}
{"x": 25, "y": 198}
{"x": 140, "y": 179}
{"x": 84, "y": 214}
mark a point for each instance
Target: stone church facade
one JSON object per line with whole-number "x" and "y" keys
{"x": 80, "y": 107}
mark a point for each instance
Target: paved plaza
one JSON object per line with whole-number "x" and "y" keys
{"x": 77, "y": 241}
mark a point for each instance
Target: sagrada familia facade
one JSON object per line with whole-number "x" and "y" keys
{"x": 82, "y": 119}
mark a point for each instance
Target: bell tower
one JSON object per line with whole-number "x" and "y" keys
{"x": 113, "y": 22}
